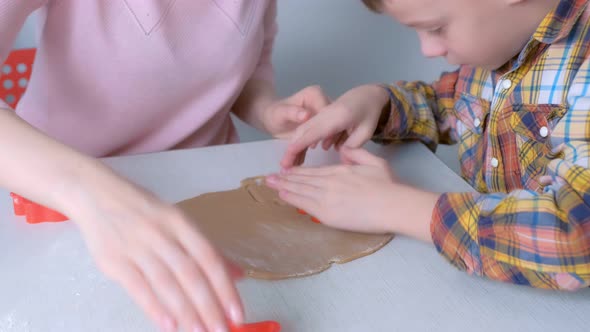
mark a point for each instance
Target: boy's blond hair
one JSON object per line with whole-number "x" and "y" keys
{"x": 373, "y": 5}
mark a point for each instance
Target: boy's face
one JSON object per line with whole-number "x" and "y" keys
{"x": 483, "y": 33}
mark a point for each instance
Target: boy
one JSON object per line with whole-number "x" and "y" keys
{"x": 519, "y": 107}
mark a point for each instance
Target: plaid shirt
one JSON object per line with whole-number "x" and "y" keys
{"x": 524, "y": 145}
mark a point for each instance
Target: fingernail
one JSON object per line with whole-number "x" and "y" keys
{"x": 221, "y": 329}
{"x": 168, "y": 324}
{"x": 271, "y": 179}
{"x": 284, "y": 171}
{"x": 236, "y": 272}
{"x": 235, "y": 314}
{"x": 198, "y": 329}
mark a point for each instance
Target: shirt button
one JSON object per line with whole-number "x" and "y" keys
{"x": 506, "y": 84}
{"x": 495, "y": 162}
{"x": 544, "y": 131}
{"x": 476, "y": 123}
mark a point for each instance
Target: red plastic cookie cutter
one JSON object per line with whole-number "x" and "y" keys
{"x": 314, "y": 219}
{"x": 15, "y": 74}
{"x": 33, "y": 212}
{"x": 266, "y": 326}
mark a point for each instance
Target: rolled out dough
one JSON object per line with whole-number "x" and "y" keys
{"x": 270, "y": 239}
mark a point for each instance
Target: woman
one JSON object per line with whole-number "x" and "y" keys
{"x": 135, "y": 76}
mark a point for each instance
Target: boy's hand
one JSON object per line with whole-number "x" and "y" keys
{"x": 350, "y": 121}
{"x": 362, "y": 196}
{"x": 282, "y": 117}
{"x": 353, "y": 197}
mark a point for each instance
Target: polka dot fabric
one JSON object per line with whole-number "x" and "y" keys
{"x": 15, "y": 74}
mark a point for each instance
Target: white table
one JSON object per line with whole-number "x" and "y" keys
{"x": 48, "y": 282}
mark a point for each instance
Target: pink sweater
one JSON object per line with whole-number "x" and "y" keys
{"x": 116, "y": 77}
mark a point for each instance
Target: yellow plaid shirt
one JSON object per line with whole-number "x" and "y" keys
{"x": 524, "y": 145}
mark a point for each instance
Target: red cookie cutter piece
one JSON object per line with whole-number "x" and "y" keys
{"x": 267, "y": 326}
{"x": 33, "y": 212}
{"x": 314, "y": 219}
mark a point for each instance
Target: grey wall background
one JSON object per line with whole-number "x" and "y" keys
{"x": 337, "y": 44}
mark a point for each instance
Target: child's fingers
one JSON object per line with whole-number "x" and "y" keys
{"x": 314, "y": 130}
{"x": 141, "y": 292}
{"x": 361, "y": 157}
{"x": 304, "y": 185}
{"x": 315, "y": 171}
{"x": 301, "y": 188}
{"x": 358, "y": 138}
{"x": 272, "y": 181}
{"x": 340, "y": 139}
{"x": 328, "y": 142}
{"x": 301, "y": 157}
{"x": 292, "y": 154}
{"x": 300, "y": 201}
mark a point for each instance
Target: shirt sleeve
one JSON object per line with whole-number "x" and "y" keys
{"x": 540, "y": 239}
{"x": 420, "y": 111}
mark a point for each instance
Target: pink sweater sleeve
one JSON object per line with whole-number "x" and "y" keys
{"x": 13, "y": 14}
{"x": 265, "y": 69}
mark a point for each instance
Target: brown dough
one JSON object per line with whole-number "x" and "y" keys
{"x": 270, "y": 239}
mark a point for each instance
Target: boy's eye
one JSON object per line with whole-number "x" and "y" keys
{"x": 435, "y": 31}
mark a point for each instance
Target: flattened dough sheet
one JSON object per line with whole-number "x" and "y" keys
{"x": 270, "y": 239}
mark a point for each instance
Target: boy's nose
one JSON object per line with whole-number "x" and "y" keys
{"x": 432, "y": 46}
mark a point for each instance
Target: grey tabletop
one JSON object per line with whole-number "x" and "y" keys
{"x": 48, "y": 281}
